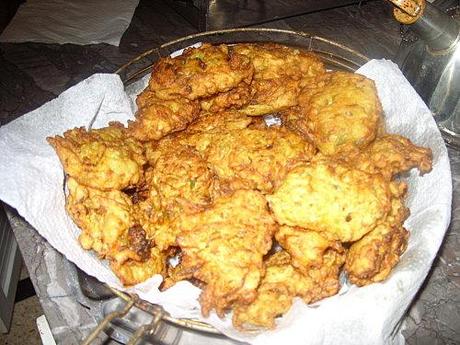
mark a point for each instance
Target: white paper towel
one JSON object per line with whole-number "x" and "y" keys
{"x": 31, "y": 180}
{"x": 70, "y": 21}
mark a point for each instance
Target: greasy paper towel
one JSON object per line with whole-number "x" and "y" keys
{"x": 31, "y": 180}
{"x": 70, "y": 21}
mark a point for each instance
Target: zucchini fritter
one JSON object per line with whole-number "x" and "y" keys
{"x": 281, "y": 283}
{"x": 224, "y": 247}
{"x": 372, "y": 258}
{"x": 156, "y": 118}
{"x": 340, "y": 112}
{"x": 200, "y": 72}
{"x": 390, "y": 155}
{"x": 104, "y": 159}
{"x": 279, "y": 74}
{"x": 331, "y": 197}
{"x": 252, "y": 158}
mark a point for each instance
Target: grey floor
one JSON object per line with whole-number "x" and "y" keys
{"x": 23, "y": 327}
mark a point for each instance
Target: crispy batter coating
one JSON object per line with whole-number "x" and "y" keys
{"x": 177, "y": 273}
{"x": 273, "y": 61}
{"x": 281, "y": 283}
{"x": 156, "y": 118}
{"x": 252, "y": 158}
{"x": 372, "y": 258}
{"x": 218, "y": 122}
{"x": 179, "y": 182}
{"x": 280, "y": 73}
{"x": 275, "y": 294}
{"x": 104, "y": 217}
{"x": 272, "y": 95}
{"x": 232, "y": 99}
{"x": 224, "y": 247}
{"x": 306, "y": 247}
{"x": 200, "y": 72}
{"x": 103, "y": 158}
{"x": 390, "y": 155}
{"x": 107, "y": 221}
{"x": 329, "y": 196}
{"x": 340, "y": 112}
{"x": 132, "y": 272}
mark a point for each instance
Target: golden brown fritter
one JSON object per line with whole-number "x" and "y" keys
{"x": 103, "y": 216}
{"x": 306, "y": 247}
{"x": 372, "y": 258}
{"x": 252, "y": 158}
{"x": 156, "y": 118}
{"x": 272, "y": 95}
{"x": 132, "y": 272}
{"x": 329, "y": 196}
{"x": 280, "y": 73}
{"x": 340, "y": 112}
{"x": 390, "y": 155}
{"x": 107, "y": 221}
{"x": 179, "y": 182}
{"x": 103, "y": 158}
{"x": 178, "y": 273}
{"x": 218, "y": 122}
{"x": 273, "y": 61}
{"x": 200, "y": 73}
{"x": 275, "y": 294}
{"x": 232, "y": 99}
{"x": 224, "y": 247}
{"x": 281, "y": 283}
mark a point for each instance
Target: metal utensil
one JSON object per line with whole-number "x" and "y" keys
{"x": 432, "y": 63}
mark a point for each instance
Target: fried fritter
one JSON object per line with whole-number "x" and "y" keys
{"x": 340, "y": 112}
{"x": 275, "y": 294}
{"x": 333, "y": 198}
{"x": 390, "y": 155}
{"x": 224, "y": 247}
{"x": 103, "y": 217}
{"x": 156, "y": 118}
{"x": 200, "y": 72}
{"x": 252, "y": 158}
{"x": 179, "y": 182}
{"x": 372, "y": 258}
{"x": 178, "y": 273}
{"x": 132, "y": 272}
{"x": 232, "y": 99}
{"x": 306, "y": 247}
{"x": 103, "y": 158}
{"x": 280, "y": 73}
{"x": 281, "y": 283}
{"x": 218, "y": 122}
{"x": 107, "y": 221}
{"x": 273, "y": 61}
{"x": 271, "y": 96}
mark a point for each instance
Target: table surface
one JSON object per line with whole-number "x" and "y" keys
{"x": 33, "y": 73}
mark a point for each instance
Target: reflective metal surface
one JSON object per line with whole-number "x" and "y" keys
{"x": 223, "y": 14}
{"x": 432, "y": 65}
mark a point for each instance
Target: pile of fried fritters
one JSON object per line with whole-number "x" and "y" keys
{"x": 256, "y": 214}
